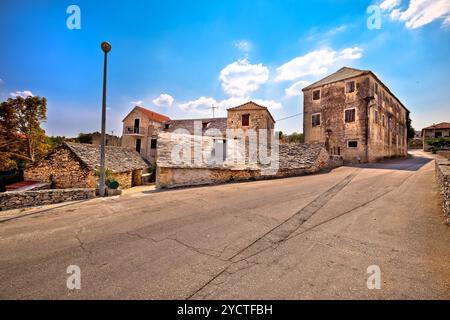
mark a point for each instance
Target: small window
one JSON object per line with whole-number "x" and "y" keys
{"x": 245, "y": 119}
{"x": 350, "y": 115}
{"x": 166, "y": 126}
{"x": 153, "y": 143}
{"x": 315, "y": 119}
{"x": 383, "y": 121}
{"x": 205, "y": 125}
{"x": 376, "y": 116}
{"x": 352, "y": 144}
{"x": 350, "y": 86}
{"x": 376, "y": 88}
{"x": 316, "y": 95}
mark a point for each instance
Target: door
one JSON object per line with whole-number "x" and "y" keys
{"x": 136, "y": 125}
{"x": 138, "y": 145}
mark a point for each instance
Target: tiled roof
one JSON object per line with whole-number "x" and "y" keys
{"x": 252, "y": 106}
{"x": 118, "y": 159}
{"x": 341, "y": 74}
{"x": 442, "y": 125}
{"x": 188, "y": 124}
{"x": 155, "y": 116}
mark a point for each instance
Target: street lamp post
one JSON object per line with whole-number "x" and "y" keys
{"x": 106, "y": 47}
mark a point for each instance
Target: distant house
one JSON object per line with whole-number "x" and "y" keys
{"x": 440, "y": 130}
{"x": 111, "y": 140}
{"x": 140, "y": 131}
{"x": 74, "y": 165}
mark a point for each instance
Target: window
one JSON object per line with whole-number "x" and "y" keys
{"x": 383, "y": 121}
{"x": 206, "y": 125}
{"x": 245, "y": 119}
{"x": 438, "y": 134}
{"x": 352, "y": 144}
{"x": 315, "y": 119}
{"x": 350, "y": 86}
{"x": 376, "y": 88}
{"x": 153, "y": 143}
{"x": 166, "y": 126}
{"x": 350, "y": 115}
{"x": 316, "y": 95}
{"x": 376, "y": 116}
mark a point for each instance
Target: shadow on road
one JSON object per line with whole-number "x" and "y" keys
{"x": 412, "y": 163}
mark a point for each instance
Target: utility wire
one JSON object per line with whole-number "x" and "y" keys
{"x": 293, "y": 116}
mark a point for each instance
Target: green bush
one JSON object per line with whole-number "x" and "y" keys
{"x": 113, "y": 184}
{"x": 439, "y": 143}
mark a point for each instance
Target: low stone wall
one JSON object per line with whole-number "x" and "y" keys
{"x": 14, "y": 200}
{"x": 443, "y": 179}
{"x": 293, "y": 160}
{"x": 445, "y": 154}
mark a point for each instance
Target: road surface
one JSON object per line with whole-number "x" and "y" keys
{"x": 310, "y": 237}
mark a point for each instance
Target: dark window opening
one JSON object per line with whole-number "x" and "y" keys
{"x": 438, "y": 134}
{"x": 153, "y": 143}
{"x": 205, "y": 125}
{"x": 350, "y": 115}
{"x": 376, "y": 116}
{"x": 136, "y": 125}
{"x": 316, "y": 95}
{"x": 245, "y": 119}
{"x": 339, "y": 151}
{"x": 315, "y": 119}
{"x": 350, "y": 86}
{"x": 166, "y": 126}
{"x": 353, "y": 144}
{"x": 138, "y": 145}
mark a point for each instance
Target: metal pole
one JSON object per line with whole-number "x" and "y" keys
{"x": 106, "y": 47}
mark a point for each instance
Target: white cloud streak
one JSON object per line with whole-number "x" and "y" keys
{"x": 164, "y": 100}
{"x": 315, "y": 63}
{"x": 296, "y": 88}
{"x": 23, "y": 94}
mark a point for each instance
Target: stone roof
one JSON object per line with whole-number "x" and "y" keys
{"x": 118, "y": 159}
{"x": 206, "y": 124}
{"x": 155, "y": 116}
{"x": 342, "y": 74}
{"x": 442, "y": 125}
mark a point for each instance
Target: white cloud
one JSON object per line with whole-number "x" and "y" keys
{"x": 336, "y": 30}
{"x": 1, "y": 81}
{"x": 243, "y": 45}
{"x": 203, "y": 105}
{"x": 296, "y": 88}
{"x": 315, "y": 63}
{"x": 390, "y": 4}
{"x": 138, "y": 103}
{"x": 164, "y": 100}
{"x": 23, "y": 94}
{"x": 419, "y": 12}
{"x": 241, "y": 78}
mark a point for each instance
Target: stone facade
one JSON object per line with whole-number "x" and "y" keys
{"x": 111, "y": 140}
{"x": 259, "y": 117}
{"x": 293, "y": 160}
{"x": 74, "y": 166}
{"x": 140, "y": 127}
{"x": 443, "y": 179}
{"x": 14, "y": 200}
{"x": 355, "y": 116}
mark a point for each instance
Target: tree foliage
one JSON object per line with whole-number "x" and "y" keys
{"x": 21, "y": 134}
{"x": 411, "y": 133}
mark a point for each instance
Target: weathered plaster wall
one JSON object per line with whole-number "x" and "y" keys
{"x": 13, "y": 200}
{"x": 384, "y": 140}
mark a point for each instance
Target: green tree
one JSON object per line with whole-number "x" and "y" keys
{"x": 22, "y": 137}
{"x": 84, "y": 138}
{"x": 411, "y": 131}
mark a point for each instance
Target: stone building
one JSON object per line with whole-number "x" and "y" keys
{"x": 140, "y": 131}
{"x": 111, "y": 140}
{"x": 440, "y": 130}
{"x": 74, "y": 165}
{"x": 356, "y": 117}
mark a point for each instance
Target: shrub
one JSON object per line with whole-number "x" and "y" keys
{"x": 439, "y": 143}
{"x": 113, "y": 184}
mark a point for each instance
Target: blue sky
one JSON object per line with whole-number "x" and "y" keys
{"x": 181, "y": 57}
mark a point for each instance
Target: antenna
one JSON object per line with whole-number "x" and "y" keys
{"x": 213, "y": 107}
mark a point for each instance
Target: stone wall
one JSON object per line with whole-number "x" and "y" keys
{"x": 293, "y": 160}
{"x": 63, "y": 170}
{"x": 14, "y": 200}
{"x": 443, "y": 179}
{"x": 386, "y": 138}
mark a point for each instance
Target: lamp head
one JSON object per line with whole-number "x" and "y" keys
{"x": 106, "y": 47}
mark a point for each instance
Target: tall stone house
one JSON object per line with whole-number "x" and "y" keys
{"x": 440, "y": 130}
{"x": 142, "y": 126}
{"x": 356, "y": 117}
{"x": 140, "y": 131}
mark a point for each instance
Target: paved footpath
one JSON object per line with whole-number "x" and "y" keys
{"x": 307, "y": 237}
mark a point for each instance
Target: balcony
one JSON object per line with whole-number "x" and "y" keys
{"x": 138, "y": 131}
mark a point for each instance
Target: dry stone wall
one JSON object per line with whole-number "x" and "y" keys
{"x": 14, "y": 200}
{"x": 443, "y": 179}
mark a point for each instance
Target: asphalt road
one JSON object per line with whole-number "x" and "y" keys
{"x": 307, "y": 237}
